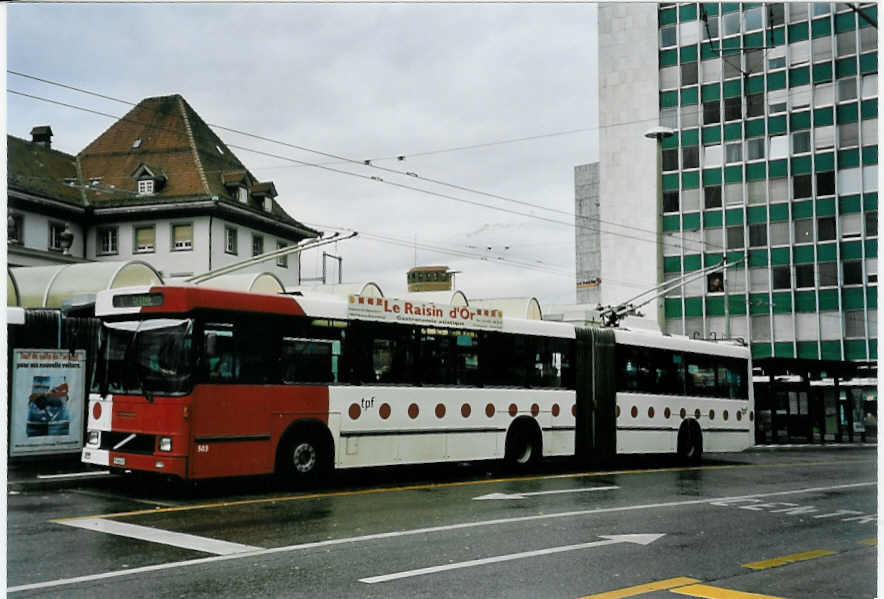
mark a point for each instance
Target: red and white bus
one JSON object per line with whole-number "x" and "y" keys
{"x": 198, "y": 383}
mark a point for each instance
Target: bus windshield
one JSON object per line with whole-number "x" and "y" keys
{"x": 144, "y": 357}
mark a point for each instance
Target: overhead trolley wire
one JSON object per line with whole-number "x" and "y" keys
{"x": 655, "y": 240}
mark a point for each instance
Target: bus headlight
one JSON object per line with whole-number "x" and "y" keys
{"x": 165, "y": 443}
{"x": 93, "y": 438}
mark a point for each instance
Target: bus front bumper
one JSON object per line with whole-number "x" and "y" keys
{"x": 161, "y": 464}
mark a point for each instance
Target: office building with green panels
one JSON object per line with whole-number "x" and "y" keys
{"x": 773, "y": 168}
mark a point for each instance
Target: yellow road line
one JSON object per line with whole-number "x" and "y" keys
{"x": 870, "y": 542}
{"x": 710, "y": 592}
{"x": 641, "y": 589}
{"x": 788, "y": 559}
{"x": 286, "y": 498}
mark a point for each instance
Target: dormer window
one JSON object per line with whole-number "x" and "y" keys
{"x": 145, "y": 187}
{"x": 242, "y": 195}
{"x": 136, "y": 143}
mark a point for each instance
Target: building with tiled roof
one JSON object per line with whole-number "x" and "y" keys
{"x": 157, "y": 185}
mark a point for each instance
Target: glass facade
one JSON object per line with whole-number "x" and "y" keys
{"x": 775, "y": 168}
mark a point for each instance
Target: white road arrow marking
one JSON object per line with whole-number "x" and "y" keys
{"x": 641, "y": 539}
{"x": 524, "y": 495}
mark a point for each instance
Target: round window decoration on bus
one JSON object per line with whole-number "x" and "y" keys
{"x": 440, "y": 410}
{"x": 697, "y": 413}
{"x": 634, "y": 412}
{"x": 725, "y": 415}
{"x": 739, "y": 416}
{"x": 751, "y": 416}
{"x": 489, "y": 410}
{"x": 513, "y": 410}
{"x": 355, "y": 411}
{"x": 466, "y": 410}
{"x": 682, "y": 413}
{"x": 650, "y": 411}
{"x": 413, "y": 411}
{"x": 555, "y": 410}
{"x": 96, "y": 411}
{"x": 535, "y": 410}
{"x": 617, "y": 411}
{"x": 574, "y": 410}
{"x": 711, "y": 414}
{"x": 384, "y": 411}
{"x": 667, "y": 413}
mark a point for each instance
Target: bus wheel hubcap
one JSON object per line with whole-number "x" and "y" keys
{"x": 304, "y": 457}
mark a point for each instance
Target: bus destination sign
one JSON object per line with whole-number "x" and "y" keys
{"x": 410, "y": 312}
{"x": 138, "y": 300}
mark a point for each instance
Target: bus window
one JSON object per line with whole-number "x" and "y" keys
{"x": 700, "y": 375}
{"x": 388, "y": 355}
{"x": 435, "y": 357}
{"x": 309, "y": 360}
{"x": 222, "y": 356}
{"x": 466, "y": 363}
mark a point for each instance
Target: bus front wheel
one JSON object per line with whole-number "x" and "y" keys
{"x": 690, "y": 442}
{"x": 303, "y": 457}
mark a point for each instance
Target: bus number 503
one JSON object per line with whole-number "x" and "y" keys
{"x": 202, "y": 448}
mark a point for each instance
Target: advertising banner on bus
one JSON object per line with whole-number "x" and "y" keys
{"x": 414, "y": 312}
{"x": 46, "y": 407}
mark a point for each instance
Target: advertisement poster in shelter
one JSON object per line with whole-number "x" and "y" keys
{"x": 46, "y": 405}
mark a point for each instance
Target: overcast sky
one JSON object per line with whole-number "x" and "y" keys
{"x": 369, "y": 81}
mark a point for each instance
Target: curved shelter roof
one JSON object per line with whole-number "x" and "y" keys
{"x": 517, "y": 307}
{"x": 255, "y": 282}
{"x": 51, "y": 286}
{"x": 12, "y": 298}
{"x": 445, "y": 298}
{"x": 367, "y": 289}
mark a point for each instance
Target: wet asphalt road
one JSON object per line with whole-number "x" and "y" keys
{"x": 557, "y": 532}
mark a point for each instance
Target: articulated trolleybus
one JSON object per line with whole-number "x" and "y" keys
{"x": 198, "y": 383}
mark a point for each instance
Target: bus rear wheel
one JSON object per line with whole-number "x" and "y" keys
{"x": 690, "y": 442}
{"x": 523, "y": 446}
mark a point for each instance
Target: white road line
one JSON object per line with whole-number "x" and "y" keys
{"x": 533, "y": 493}
{"x": 416, "y": 531}
{"x": 157, "y": 535}
{"x": 645, "y": 539}
{"x": 74, "y": 474}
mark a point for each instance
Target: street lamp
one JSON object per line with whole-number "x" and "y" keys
{"x": 659, "y": 133}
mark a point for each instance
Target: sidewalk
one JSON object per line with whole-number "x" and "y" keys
{"x": 48, "y": 472}
{"x": 857, "y": 445}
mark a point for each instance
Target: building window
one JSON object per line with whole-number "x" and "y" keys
{"x": 825, "y": 228}
{"x": 846, "y": 89}
{"x": 145, "y": 239}
{"x": 782, "y": 277}
{"x": 851, "y": 225}
{"x": 846, "y": 42}
{"x": 823, "y": 94}
{"x": 732, "y": 66}
{"x": 230, "y": 240}
{"x": 849, "y": 181}
{"x": 667, "y": 37}
{"x": 853, "y": 272}
{"x": 872, "y": 224}
{"x": 870, "y": 84}
{"x": 670, "y": 201}
{"x": 799, "y": 52}
{"x": 854, "y": 324}
{"x": 731, "y": 23}
{"x": 55, "y": 231}
{"x": 712, "y": 156}
{"x": 801, "y": 142}
{"x": 804, "y": 276}
{"x": 848, "y": 135}
{"x": 182, "y": 237}
{"x": 715, "y": 282}
{"x": 754, "y": 61}
{"x": 779, "y": 233}
{"x": 758, "y": 235}
{"x": 145, "y": 187}
{"x": 689, "y": 73}
{"x": 106, "y": 241}
{"x": 670, "y": 160}
{"x": 779, "y": 190}
{"x": 757, "y": 191}
{"x": 733, "y": 109}
{"x": 734, "y": 152}
{"x": 257, "y": 244}
{"x": 711, "y": 113}
{"x": 779, "y": 147}
{"x": 242, "y": 194}
{"x": 282, "y": 261}
{"x": 690, "y": 116}
{"x": 735, "y": 238}
{"x": 825, "y": 183}
{"x": 754, "y": 105}
{"x": 711, "y": 70}
{"x": 712, "y": 196}
{"x": 761, "y": 328}
{"x": 824, "y": 137}
{"x": 777, "y": 62}
{"x": 755, "y": 148}
{"x": 821, "y": 8}
{"x": 828, "y": 274}
{"x": 710, "y": 27}
{"x": 803, "y": 230}
{"x": 16, "y": 233}
{"x": 801, "y": 186}
{"x": 669, "y": 117}
{"x": 776, "y": 14}
{"x": 669, "y": 78}
{"x": 797, "y": 12}
{"x": 733, "y": 194}
{"x": 868, "y": 39}
{"x": 690, "y": 157}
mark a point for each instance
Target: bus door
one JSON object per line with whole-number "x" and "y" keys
{"x": 596, "y": 425}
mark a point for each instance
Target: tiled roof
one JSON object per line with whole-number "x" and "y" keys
{"x": 35, "y": 169}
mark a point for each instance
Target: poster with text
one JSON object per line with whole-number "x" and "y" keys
{"x": 46, "y": 408}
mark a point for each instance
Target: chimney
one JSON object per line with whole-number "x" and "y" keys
{"x": 42, "y": 135}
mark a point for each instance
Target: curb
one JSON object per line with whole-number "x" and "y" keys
{"x": 788, "y": 446}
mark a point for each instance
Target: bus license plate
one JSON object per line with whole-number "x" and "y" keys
{"x": 119, "y": 461}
